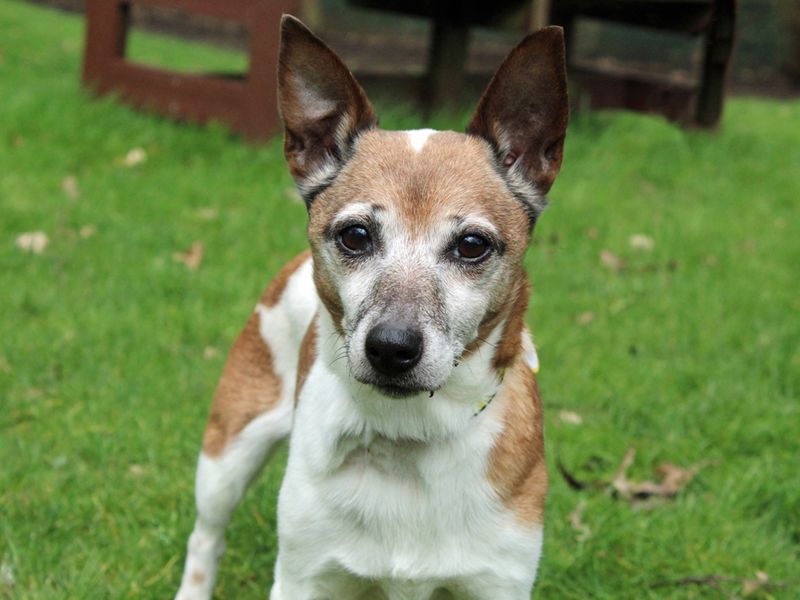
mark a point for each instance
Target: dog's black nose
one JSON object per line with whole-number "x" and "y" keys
{"x": 393, "y": 349}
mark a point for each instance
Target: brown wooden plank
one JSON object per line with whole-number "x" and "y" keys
{"x": 260, "y": 115}
{"x": 186, "y": 97}
{"x": 238, "y": 11}
{"x": 716, "y": 62}
{"x": 106, "y": 34}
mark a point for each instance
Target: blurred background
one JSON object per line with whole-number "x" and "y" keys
{"x": 145, "y": 204}
{"x": 651, "y": 55}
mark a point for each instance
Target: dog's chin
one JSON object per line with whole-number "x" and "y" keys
{"x": 397, "y": 391}
{"x": 394, "y": 389}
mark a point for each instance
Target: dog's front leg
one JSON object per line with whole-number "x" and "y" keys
{"x": 252, "y": 411}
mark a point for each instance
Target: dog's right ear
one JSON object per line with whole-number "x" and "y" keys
{"x": 323, "y": 108}
{"x": 523, "y": 115}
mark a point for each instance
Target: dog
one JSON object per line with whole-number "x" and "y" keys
{"x": 394, "y": 353}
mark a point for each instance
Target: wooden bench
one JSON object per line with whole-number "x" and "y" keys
{"x": 712, "y": 19}
{"x": 246, "y": 103}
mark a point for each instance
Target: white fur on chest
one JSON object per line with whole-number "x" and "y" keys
{"x": 390, "y": 498}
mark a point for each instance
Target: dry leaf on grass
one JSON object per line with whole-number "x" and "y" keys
{"x": 135, "y": 157}
{"x": 87, "y": 231}
{"x": 673, "y": 480}
{"x": 640, "y": 241}
{"x": 576, "y": 520}
{"x": 750, "y": 586}
{"x": 585, "y": 318}
{"x": 611, "y": 261}
{"x": 207, "y": 213}
{"x": 7, "y": 579}
{"x": 33, "y": 241}
{"x": 70, "y": 187}
{"x": 568, "y": 416}
{"x": 191, "y": 258}
{"x": 762, "y": 582}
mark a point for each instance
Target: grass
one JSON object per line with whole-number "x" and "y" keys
{"x": 109, "y": 349}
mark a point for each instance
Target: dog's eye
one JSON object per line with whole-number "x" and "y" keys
{"x": 355, "y": 239}
{"x": 472, "y": 248}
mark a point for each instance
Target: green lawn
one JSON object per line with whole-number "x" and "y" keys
{"x": 110, "y": 349}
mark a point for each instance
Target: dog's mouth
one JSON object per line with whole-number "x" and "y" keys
{"x": 394, "y": 389}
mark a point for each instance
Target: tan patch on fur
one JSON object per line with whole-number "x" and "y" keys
{"x": 513, "y": 315}
{"x": 510, "y": 344}
{"x": 274, "y": 291}
{"x": 452, "y": 175}
{"x": 308, "y": 354}
{"x": 198, "y": 577}
{"x": 517, "y": 467}
{"x": 329, "y": 297}
{"x": 248, "y": 388}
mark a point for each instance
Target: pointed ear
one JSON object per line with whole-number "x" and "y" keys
{"x": 523, "y": 115}
{"x": 322, "y": 106}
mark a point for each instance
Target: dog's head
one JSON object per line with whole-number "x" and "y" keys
{"x": 418, "y": 237}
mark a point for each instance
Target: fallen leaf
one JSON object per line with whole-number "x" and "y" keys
{"x": 87, "y": 231}
{"x": 721, "y": 582}
{"x": 640, "y": 241}
{"x": 611, "y": 261}
{"x": 568, "y": 416}
{"x": 136, "y": 470}
{"x": 209, "y": 352}
{"x": 585, "y": 318}
{"x": 192, "y": 257}
{"x": 750, "y": 586}
{"x": 135, "y": 157}
{"x": 33, "y": 241}
{"x": 673, "y": 480}
{"x": 7, "y": 579}
{"x": 70, "y": 187}
{"x": 575, "y": 519}
{"x": 207, "y": 213}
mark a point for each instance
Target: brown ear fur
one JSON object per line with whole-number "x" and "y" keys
{"x": 322, "y": 106}
{"x": 524, "y": 111}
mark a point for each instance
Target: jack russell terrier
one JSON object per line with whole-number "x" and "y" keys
{"x": 395, "y": 353}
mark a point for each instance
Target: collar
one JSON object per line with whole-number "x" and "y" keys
{"x": 533, "y": 363}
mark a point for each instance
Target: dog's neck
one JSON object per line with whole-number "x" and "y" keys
{"x": 449, "y": 413}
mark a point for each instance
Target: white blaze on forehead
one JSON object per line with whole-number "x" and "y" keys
{"x": 418, "y": 137}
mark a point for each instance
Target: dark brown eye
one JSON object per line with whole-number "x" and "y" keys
{"x": 355, "y": 239}
{"x": 472, "y": 247}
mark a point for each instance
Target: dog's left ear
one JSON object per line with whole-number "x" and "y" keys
{"x": 523, "y": 115}
{"x": 322, "y": 106}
